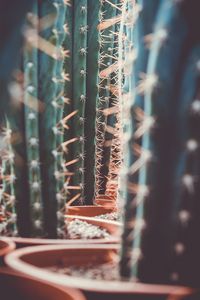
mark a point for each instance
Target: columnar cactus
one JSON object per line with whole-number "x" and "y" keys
{"x": 106, "y": 106}
{"x": 31, "y": 115}
{"x": 161, "y": 169}
{"x": 79, "y": 91}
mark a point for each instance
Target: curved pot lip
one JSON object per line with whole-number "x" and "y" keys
{"x": 87, "y": 207}
{"x": 9, "y": 246}
{"x": 95, "y": 220}
{"x": 45, "y": 242}
{"x": 14, "y": 261}
{"x": 75, "y": 294}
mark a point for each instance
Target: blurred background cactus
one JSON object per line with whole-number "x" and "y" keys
{"x": 161, "y": 170}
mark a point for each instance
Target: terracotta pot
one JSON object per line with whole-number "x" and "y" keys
{"x": 6, "y": 246}
{"x": 109, "y": 204}
{"x": 34, "y": 260}
{"x": 88, "y": 210}
{"x": 15, "y": 286}
{"x": 112, "y": 227}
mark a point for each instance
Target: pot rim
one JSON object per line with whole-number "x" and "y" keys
{"x": 9, "y": 246}
{"x": 14, "y": 261}
{"x": 74, "y": 293}
{"x": 65, "y": 242}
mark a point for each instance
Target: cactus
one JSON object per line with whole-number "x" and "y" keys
{"x": 92, "y": 98}
{"x": 80, "y": 32}
{"x": 31, "y": 115}
{"x": 109, "y": 16}
{"x": 159, "y": 172}
{"x": 51, "y": 96}
{"x": 76, "y": 94}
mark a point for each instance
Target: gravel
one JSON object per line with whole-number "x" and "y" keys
{"x": 107, "y": 271}
{"x": 78, "y": 229}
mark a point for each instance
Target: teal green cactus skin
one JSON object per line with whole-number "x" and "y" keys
{"x": 80, "y": 29}
{"x": 107, "y": 44}
{"x": 92, "y": 98}
{"x": 32, "y": 133}
{"x": 156, "y": 209}
{"x": 68, "y": 94}
{"x": 49, "y": 152}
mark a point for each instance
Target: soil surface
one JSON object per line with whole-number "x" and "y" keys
{"x": 110, "y": 216}
{"x": 107, "y": 271}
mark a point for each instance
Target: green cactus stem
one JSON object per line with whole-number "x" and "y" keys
{"x": 80, "y": 29}
{"x": 108, "y": 42}
{"x": 59, "y": 129}
{"x": 31, "y": 115}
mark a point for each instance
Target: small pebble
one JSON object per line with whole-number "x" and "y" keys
{"x": 110, "y": 216}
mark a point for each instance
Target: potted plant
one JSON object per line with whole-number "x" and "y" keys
{"x": 81, "y": 230}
